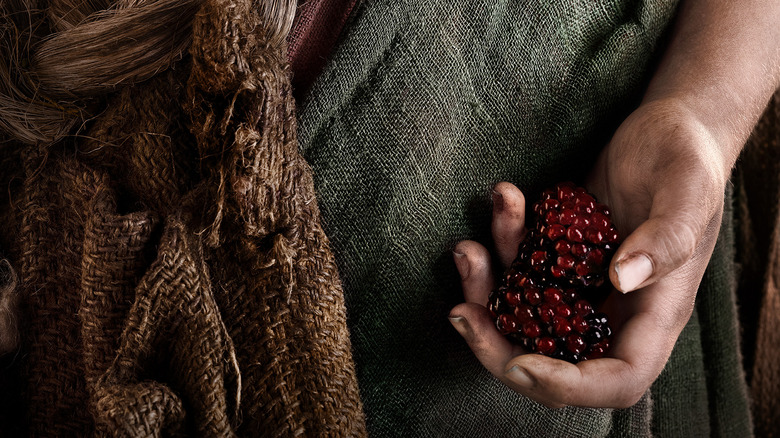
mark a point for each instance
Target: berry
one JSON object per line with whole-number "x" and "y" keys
{"x": 542, "y": 303}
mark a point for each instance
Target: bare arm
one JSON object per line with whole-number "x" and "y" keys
{"x": 663, "y": 174}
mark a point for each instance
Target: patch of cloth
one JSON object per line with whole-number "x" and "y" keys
{"x": 424, "y": 106}
{"x": 317, "y": 27}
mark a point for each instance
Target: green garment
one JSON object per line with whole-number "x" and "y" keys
{"x": 424, "y": 106}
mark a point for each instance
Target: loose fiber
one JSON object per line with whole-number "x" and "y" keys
{"x": 174, "y": 278}
{"x": 90, "y": 52}
{"x": 9, "y": 334}
{"x": 129, "y": 43}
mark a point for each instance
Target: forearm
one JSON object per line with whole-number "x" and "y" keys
{"x": 722, "y": 65}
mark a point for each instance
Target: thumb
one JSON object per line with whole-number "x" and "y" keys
{"x": 664, "y": 242}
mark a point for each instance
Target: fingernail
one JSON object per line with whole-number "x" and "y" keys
{"x": 633, "y": 271}
{"x": 462, "y": 263}
{"x": 520, "y": 377}
{"x": 461, "y": 325}
{"x": 498, "y": 202}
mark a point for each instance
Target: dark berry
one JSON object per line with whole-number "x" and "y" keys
{"x": 524, "y": 313}
{"x": 562, "y": 247}
{"x": 545, "y": 345}
{"x": 532, "y": 296}
{"x": 560, "y": 326}
{"x": 531, "y": 329}
{"x": 583, "y": 308}
{"x": 552, "y": 295}
{"x": 561, "y": 309}
{"x": 542, "y": 303}
{"x": 546, "y": 313}
{"x": 555, "y": 232}
{"x": 575, "y": 343}
{"x": 574, "y": 234}
{"x": 579, "y": 324}
{"x": 508, "y": 323}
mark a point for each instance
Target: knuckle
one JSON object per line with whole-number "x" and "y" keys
{"x": 562, "y": 392}
{"x": 681, "y": 239}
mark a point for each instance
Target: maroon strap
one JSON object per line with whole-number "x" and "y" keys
{"x": 316, "y": 29}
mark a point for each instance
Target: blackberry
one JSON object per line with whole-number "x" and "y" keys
{"x": 541, "y": 302}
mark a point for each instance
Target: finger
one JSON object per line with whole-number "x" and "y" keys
{"x": 638, "y": 355}
{"x": 476, "y": 275}
{"x": 678, "y": 220}
{"x": 478, "y": 328}
{"x": 508, "y": 221}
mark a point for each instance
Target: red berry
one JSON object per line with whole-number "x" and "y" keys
{"x": 583, "y": 308}
{"x": 525, "y": 281}
{"x": 508, "y": 324}
{"x": 565, "y": 192}
{"x": 562, "y": 247}
{"x": 550, "y": 204}
{"x": 582, "y": 269}
{"x": 565, "y": 253}
{"x": 600, "y": 222}
{"x": 575, "y": 343}
{"x": 561, "y": 309}
{"x": 584, "y": 208}
{"x": 561, "y": 326}
{"x": 512, "y": 278}
{"x": 595, "y": 257}
{"x": 514, "y": 298}
{"x": 566, "y": 261}
{"x": 567, "y": 217}
{"x": 593, "y": 236}
{"x": 579, "y": 249}
{"x": 546, "y": 313}
{"x": 574, "y": 234}
{"x": 551, "y": 217}
{"x": 579, "y": 324}
{"x": 581, "y": 222}
{"x": 583, "y": 197}
{"x": 538, "y": 258}
{"x": 552, "y": 295}
{"x": 524, "y": 313}
{"x": 531, "y": 329}
{"x": 532, "y": 296}
{"x": 556, "y": 231}
{"x": 545, "y": 345}
{"x": 598, "y": 350}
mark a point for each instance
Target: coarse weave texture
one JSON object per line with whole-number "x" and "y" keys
{"x": 174, "y": 278}
{"x": 318, "y": 25}
{"x": 424, "y": 106}
{"x": 758, "y": 178}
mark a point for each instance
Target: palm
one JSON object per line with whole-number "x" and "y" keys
{"x": 666, "y": 196}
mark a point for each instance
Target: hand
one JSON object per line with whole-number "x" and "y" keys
{"x": 664, "y": 182}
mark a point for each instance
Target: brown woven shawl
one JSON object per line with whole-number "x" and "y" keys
{"x": 173, "y": 275}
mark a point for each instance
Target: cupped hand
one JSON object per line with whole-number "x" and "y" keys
{"x": 664, "y": 180}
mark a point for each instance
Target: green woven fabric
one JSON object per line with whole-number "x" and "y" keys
{"x": 424, "y": 106}
{"x": 687, "y": 403}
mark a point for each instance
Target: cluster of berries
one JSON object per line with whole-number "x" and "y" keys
{"x": 542, "y": 302}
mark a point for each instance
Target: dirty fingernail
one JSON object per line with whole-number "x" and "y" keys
{"x": 462, "y": 263}
{"x": 520, "y": 377}
{"x": 498, "y": 202}
{"x": 461, "y": 325}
